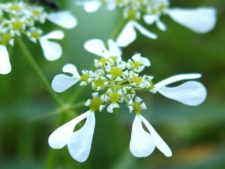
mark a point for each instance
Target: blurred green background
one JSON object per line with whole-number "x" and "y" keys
{"x": 195, "y": 134}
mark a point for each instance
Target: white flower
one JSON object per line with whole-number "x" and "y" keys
{"x": 78, "y": 142}
{"x": 143, "y": 142}
{"x": 128, "y": 33}
{"x": 191, "y": 93}
{"x": 200, "y": 20}
{"x": 62, "y": 82}
{"x": 5, "y": 66}
{"x": 97, "y": 47}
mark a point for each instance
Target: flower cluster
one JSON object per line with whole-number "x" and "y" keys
{"x": 20, "y": 18}
{"x": 115, "y": 82}
{"x": 200, "y": 20}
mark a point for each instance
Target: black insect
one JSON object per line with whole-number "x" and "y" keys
{"x": 47, "y": 3}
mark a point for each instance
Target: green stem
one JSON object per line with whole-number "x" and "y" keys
{"x": 118, "y": 29}
{"x": 28, "y": 56}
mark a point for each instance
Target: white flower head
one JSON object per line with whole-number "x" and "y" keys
{"x": 191, "y": 93}
{"x": 78, "y": 142}
{"x": 20, "y": 18}
{"x": 62, "y": 82}
{"x": 143, "y": 142}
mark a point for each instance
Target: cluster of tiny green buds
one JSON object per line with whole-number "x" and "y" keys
{"x": 20, "y": 18}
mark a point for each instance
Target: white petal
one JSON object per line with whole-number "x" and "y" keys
{"x": 150, "y": 19}
{"x": 5, "y": 66}
{"x": 177, "y": 78}
{"x": 64, "y": 19}
{"x": 57, "y": 34}
{"x": 52, "y": 50}
{"x": 80, "y": 143}
{"x": 144, "y": 31}
{"x": 159, "y": 142}
{"x": 191, "y": 93}
{"x": 127, "y": 35}
{"x": 95, "y": 46}
{"x": 141, "y": 143}
{"x": 139, "y": 58}
{"x": 161, "y": 25}
{"x": 114, "y": 49}
{"x": 92, "y": 6}
{"x": 112, "y": 106}
{"x": 70, "y": 68}
{"x": 201, "y": 20}
{"x": 60, "y": 137}
{"x": 62, "y": 82}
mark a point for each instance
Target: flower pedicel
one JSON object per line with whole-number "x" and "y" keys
{"x": 116, "y": 82}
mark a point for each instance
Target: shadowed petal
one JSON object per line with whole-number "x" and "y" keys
{"x": 5, "y": 66}
{"x": 191, "y": 93}
{"x": 201, "y": 20}
{"x": 141, "y": 143}
{"x": 63, "y": 19}
{"x": 80, "y": 142}
{"x": 60, "y": 137}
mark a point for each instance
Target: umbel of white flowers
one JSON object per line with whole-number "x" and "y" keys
{"x": 200, "y": 20}
{"x": 17, "y": 19}
{"x": 114, "y": 82}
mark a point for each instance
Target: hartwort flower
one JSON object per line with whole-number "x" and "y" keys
{"x": 115, "y": 82}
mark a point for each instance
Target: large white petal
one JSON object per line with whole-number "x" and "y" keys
{"x": 62, "y": 82}
{"x": 201, "y": 20}
{"x": 95, "y": 46}
{"x": 141, "y": 143}
{"x": 5, "y": 66}
{"x": 127, "y": 35}
{"x": 158, "y": 141}
{"x": 177, "y": 78}
{"x": 114, "y": 49}
{"x": 191, "y": 93}
{"x": 60, "y": 137}
{"x": 144, "y": 31}
{"x": 52, "y": 50}
{"x": 80, "y": 143}
{"x": 70, "y": 68}
{"x": 64, "y": 19}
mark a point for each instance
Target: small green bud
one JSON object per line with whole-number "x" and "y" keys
{"x": 116, "y": 71}
{"x": 114, "y": 97}
{"x": 95, "y": 104}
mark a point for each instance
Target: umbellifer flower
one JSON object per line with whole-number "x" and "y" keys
{"x": 200, "y": 20}
{"x": 19, "y": 18}
{"x": 115, "y": 82}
